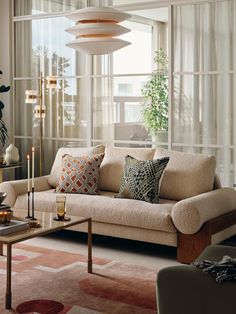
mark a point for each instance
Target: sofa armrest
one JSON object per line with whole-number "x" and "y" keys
{"x": 18, "y": 187}
{"x": 191, "y": 213}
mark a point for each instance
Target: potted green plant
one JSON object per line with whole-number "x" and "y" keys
{"x": 155, "y": 104}
{"x": 3, "y": 128}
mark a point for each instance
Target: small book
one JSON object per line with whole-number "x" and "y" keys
{"x": 13, "y": 226}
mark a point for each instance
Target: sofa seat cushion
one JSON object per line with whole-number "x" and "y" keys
{"x": 186, "y": 174}
{"x": 107, "y": 209}
{"x": 75, "y": 152}
{"x": 113, "y": 164}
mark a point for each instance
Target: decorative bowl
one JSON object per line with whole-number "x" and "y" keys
{"x": 2, "y": 196}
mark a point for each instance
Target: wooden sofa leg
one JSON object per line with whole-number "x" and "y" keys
{"x": 190, "y": 246}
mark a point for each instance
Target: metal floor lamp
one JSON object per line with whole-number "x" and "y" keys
{"x": 36, "y": 98}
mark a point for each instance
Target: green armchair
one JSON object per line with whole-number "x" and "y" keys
{"x": 185, "y": 289}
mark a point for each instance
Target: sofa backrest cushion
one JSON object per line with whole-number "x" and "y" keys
{"x": 186, "y": 174}
{"x": 112, "y": 167}
{"x": 75, "y": 152}
{"x": 217, "y": 183}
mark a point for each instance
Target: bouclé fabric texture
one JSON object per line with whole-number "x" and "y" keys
{"x": 186, "y": 175}
{"x": 141, "y": 179}
{"x": 113, "y": 164}
{"x": 190, "y": 214}
{"x": 140, "y": 217}
{"x": 80, "y": 174}
{"x": 54, "y": 176}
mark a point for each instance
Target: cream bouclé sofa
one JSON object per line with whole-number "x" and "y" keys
{"x": 194, "y": 210}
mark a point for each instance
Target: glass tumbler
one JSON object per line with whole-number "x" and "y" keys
{"x": 61, "y": 207}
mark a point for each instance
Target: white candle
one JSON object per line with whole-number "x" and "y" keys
{"x": 32, "y": 167}
{"x": 28, "y": 164}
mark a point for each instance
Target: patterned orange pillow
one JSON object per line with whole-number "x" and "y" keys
{"x": 80, "y": 174}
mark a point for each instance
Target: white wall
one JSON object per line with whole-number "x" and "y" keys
{"x": 5, "y": 65}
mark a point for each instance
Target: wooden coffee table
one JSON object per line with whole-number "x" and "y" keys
{"x": 48, "y": 225}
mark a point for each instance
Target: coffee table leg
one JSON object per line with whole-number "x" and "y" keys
{"x": 1, "y": 175}
{"x": 1, "y": 248}
{"x": 90, "y": 263}
{"x": 8, "y": 286}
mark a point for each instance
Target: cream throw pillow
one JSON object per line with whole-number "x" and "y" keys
{"x": 80, "y": 174}
{"x": 73, "y": 151}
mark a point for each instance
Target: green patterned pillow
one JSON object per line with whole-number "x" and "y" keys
{"x": 141, "y": 179}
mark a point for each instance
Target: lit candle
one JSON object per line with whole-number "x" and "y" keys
{"x": 32, "y": 167}
{"x": 28, "y": 164}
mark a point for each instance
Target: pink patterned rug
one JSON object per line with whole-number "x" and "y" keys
{"x": 50, "y": 282}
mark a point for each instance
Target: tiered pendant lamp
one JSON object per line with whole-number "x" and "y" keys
{"x": 96, "y": 28}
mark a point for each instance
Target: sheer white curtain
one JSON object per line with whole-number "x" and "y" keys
{"x": 204, "y": 109}
{"x": 103, "y": 106}
{"x": 102, "y": 119}
{"x": 159, "y": 36}
{"x": 28, "y": 7}
{"x": 23, "y": 68}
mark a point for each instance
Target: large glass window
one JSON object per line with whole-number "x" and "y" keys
{"x": 134, "y": 59}
{"x": 41, "y": 47}
{"x": 99, "y": 98}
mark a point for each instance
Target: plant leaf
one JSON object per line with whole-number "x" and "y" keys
{"x": 3, "y": 132}
{"x": 4, "y": 89}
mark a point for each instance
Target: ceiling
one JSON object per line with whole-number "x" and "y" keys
{"x": 128, "y": 2}
{"x": 144, "y": 8}
{"x": 158, "y": 14}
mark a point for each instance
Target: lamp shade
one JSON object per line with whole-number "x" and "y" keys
{"x": 51, "y": 81}
{"x": 86, "y": 15}
{"x": 96, "y": 28}
{"x": 31, "y": 96}
{"x": 98, "y": 46}
{"x": 40, "y": 112}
